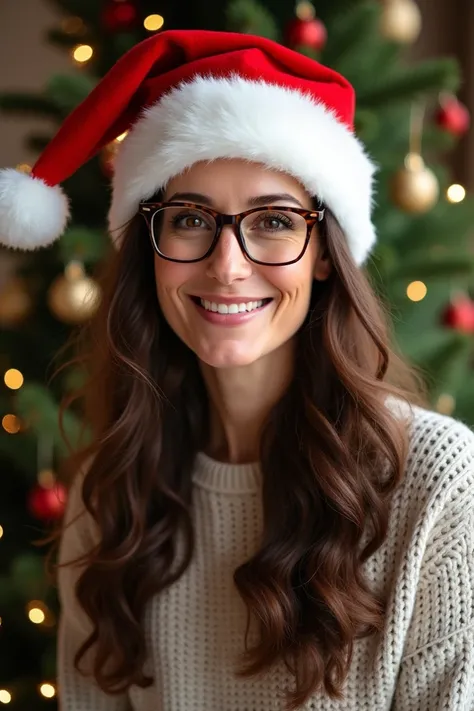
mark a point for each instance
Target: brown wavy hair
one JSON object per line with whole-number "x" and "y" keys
{"x": 332, "y": 430}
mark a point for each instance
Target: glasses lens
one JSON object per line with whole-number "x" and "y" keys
{"x": 274, "y": 237}
{"x": 183, "y": 233}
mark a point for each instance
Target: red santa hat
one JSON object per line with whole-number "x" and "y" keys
{"x": 191, "y": 95}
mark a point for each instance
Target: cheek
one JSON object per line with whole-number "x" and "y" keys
{"x": 294, "y": 282}
{"x": 170, "y": 278}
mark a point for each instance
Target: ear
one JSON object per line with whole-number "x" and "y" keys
{"x": 323, "y": 266}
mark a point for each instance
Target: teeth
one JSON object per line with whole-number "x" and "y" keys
{"x": 231, "y": 308}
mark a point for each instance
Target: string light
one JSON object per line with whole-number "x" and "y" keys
{"x": 456, "y": 193}
{"x": 36, "y": 612}
{"x": 82, "y": 53}
{"x": 36, "y": 616}
{"x": 40, "y": 614}
{"x": 5, "y": 696}
{"x": 416, "y": 291}
{"x": 152, "y": 23}
{"x": 47, "y": 690}
{"x": 11, "y": 424}
{"x": 24, "y": 168}
{"x": 446, "y": 404}
{"x": 13, "y": 379}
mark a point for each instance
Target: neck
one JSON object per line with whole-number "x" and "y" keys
{"x": 240, "y": 401}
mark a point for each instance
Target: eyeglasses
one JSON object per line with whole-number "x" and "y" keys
{"x": 271, "y": 235}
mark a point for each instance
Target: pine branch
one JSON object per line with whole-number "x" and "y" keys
{"x": 90, "y": 246}
{"x": 450, "y": 264}
{"x": 411, "y": 82}
{"x": 14, "y": 103}
{"x": 250, "y": 17}
{"x": 37, "y": 143}
{"x": 36, "y": 406}
{"x": 67, "y": 91}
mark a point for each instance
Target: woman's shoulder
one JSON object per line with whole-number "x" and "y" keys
{"x": 440, "y": 460}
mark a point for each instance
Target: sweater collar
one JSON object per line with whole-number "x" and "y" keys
{"x": 226, "y": 478}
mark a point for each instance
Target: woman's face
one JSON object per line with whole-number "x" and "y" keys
{"x": 227, "y": 276}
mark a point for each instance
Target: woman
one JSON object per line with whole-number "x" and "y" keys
{"x": 261, "y": 520}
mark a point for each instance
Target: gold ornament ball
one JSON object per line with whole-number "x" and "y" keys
{"x": 400, "y": 21}
{"x": 73, "y": 297}
{"x": 414, "y": 188}
{"x": 15, "y": 302}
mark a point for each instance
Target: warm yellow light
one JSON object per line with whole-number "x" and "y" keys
{"x": 47, "y": 690}
{"x": 82, "y": 53}
{"x": 24, "y": 168}
{"x": 11, "y": 424}
{"x": 416, "y": 291}
{"x": 153, "y": 23}
{"x": 5, "y": 696}
{"x": 46, "y": 478}
{"x": 456, "y": 193}
{"x": 36, "y": 615}
{"x": 1, "y": 531}
{"x": 121, "y": 137}
{"x": 446, "y": 404}
{"x": 13, "y": 379}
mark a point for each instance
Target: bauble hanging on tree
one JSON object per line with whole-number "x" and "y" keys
{"x": 119, "y": 16}
{"x": 306, "y": 30}
{"x": 400, "y": 21}
{"x": 459, "y": 314}
{"x": 414, "y": 188}
{"x": 73, "y": 297}
{"x": 15, "y": 302}
{"x": 47, "y": 503}
{"x": 452, "y": 116}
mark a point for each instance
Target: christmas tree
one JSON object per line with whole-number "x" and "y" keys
{"x": 409, "y": 118}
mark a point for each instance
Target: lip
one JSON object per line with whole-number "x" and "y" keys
{"x": 229, "y": 319}
{"x": 237, "y": 299}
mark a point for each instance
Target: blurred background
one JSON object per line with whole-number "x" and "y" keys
{"x": 412, "y": 64}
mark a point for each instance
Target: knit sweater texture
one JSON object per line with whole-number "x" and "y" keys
{"x": 423, "y": 661}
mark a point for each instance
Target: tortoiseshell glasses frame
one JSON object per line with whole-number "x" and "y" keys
{"x": 149, "y": 209}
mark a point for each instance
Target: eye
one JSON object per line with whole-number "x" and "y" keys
{"x": 189, "y": 221}
{"x": 274, "y": 221}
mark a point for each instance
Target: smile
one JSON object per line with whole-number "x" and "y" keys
{"x": 232, "y": 308}
{"x": 229, "y": 313}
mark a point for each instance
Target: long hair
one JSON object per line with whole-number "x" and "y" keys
{"x": 346, "y": 451}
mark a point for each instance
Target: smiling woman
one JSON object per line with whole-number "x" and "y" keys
{"x": 262, "y": 262}
{"x": 264, "y": 518}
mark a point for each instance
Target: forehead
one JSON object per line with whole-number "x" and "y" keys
{"x": 231, "y": 180}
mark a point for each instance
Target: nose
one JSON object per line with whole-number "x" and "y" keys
{"x": 228, "y": 263}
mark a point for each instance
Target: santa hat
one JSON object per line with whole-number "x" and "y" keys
{"x": 191, "y": 95}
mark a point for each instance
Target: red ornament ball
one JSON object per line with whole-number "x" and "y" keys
{"x": 453, "y": 117}
{"x": 119, "y": 16}
{"x": 47, "y": 504}
{"x": 459, "y": 315}
{"x": 306, "y": 33}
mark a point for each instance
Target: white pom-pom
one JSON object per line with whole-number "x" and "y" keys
{"x": 32, "y": 213}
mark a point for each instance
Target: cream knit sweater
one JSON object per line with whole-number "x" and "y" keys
{"x": 195, "y": 629}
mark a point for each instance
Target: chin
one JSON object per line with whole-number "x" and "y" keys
{"x": 226, "y": 356}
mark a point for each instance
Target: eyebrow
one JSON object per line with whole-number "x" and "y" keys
{"x": 257, "y": 201}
